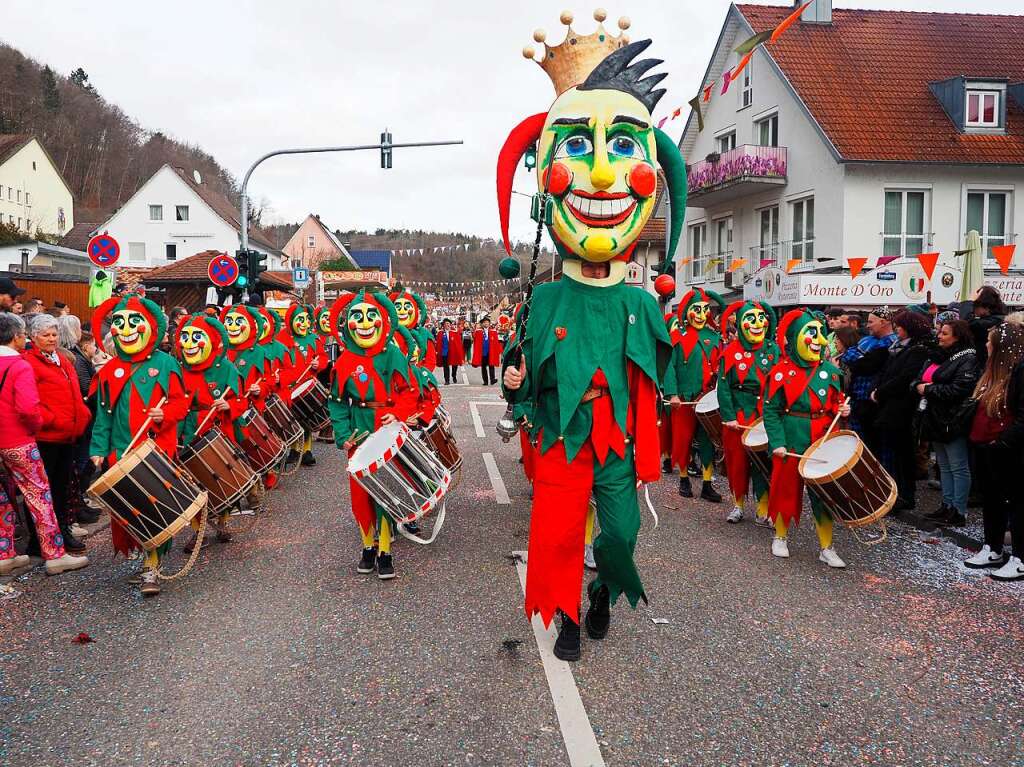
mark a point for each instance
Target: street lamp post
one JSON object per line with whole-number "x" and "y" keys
{"x": 244, "y": 206}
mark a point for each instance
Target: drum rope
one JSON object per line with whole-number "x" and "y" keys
{"x": 200, "y": 534}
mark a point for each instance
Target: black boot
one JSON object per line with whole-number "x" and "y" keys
{"x": 567, "y": 646}
{"x": 666, "y": 466}
{"x": 708, "y": 493}
{"x": 87, "y": 516}
{"x": 599, "y": 615}
{"x": 292, "y": 457}
{"x": 71, "y": 543}
{"x": 412, "y": 527}
{"x": 385, "y": 567}
{"x": 684, "y": 487}
{"x": 368, "y": 561}
{"x": 308, "y": 459}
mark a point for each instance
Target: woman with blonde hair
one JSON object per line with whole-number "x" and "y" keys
{"x": 997, "y": 433}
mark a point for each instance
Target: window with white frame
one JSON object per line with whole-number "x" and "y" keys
{"x": 766, "y": 131}
{"x": 137, "y": 252}
{"x": 802, "y": 212}
{"x": 181, "y": 212}
{"x": 156, "y": 212}
{"x": 27, "y": 199}
{"x": 698, "y": 251}
{"x": 904, "y": 228}
{"x": 989, "y": 214}
{"x": 28, "y": 225}
{"x": 747, "y": 96}
{"x": 768, "y": 235}
{"x": 982, "y": 109}
{"x": 171, "y": 251}
{"x": 726, "y": 142}
{"x": 311, "y": 241}
{"x": 722, "y": 232}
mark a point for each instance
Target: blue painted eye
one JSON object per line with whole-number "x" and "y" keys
{"x": 575, "y": 146}
{"x": 623, "y": 146}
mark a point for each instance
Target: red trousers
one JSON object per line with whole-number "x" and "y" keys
{"x": 529, "y": 455}
{"x": 737, "y": 462}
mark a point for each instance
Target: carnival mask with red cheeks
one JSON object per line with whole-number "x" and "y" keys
{"x": 407, "y": 310}
{"x": 300, "y": 323}
{"x": 597, "y": 152}
{"x": 754, "y": 325}
{"x": 136, "y": 325}
{"x": 811, "y": 342}
{"x": 367, "y": 323}
{"x": 324, "y": 321}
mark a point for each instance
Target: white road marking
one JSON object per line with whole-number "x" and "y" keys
{"x": 577, "y": 732}
{"x": 478, "y": 425}
{"x": 500, "y": 493}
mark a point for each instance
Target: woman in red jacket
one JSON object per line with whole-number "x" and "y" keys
{"x": 65, "y": 416}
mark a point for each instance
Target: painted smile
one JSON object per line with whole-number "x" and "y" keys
{"x": 601, "y": 209}
{"x": 193, "y": 352}
{"x": 366, "y": 333}
{"x": 234, "y": 331}
{"x": 127, "y": 339}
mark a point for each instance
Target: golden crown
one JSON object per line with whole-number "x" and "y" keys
{"x": 570, "y": 63}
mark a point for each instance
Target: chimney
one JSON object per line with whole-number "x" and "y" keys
{"x": 818, "y": 12}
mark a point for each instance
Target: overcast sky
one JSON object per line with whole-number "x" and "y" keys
{"x": 242, "y": 77}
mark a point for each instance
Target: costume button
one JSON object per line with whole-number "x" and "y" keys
{"x": 561, "y": 438}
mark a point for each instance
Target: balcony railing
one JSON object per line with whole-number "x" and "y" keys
{"x": 697, "y": 270}
{"x": 744, "y": 167}
{"x": 781, "y": 253}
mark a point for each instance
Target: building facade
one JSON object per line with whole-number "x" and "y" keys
{"x": 33, "y": 195}
{"x": 811, "y": 157}
{"x": 313, "y": 244}
{"x": 175, "y": 215}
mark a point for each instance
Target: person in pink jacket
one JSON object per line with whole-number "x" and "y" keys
{"x": 20, "y": 419}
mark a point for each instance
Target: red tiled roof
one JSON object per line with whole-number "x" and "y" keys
{"x": 654, "y": 229}
{"x": 865, "y": 79}
{"x": 78, "y": 236}
{"x": 11, "y": 143}
{"x": 196, "y": 269}
{"x": 223, "y": 207}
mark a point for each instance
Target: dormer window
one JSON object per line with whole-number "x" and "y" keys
{"x": 982, "y": 109}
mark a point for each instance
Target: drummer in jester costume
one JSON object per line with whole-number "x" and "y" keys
{"x": 742, "y": 374}
{"x": 140, "y": 384}
{"x": 593, "y": 349}
{"x": 216, "y": 384}
{"x": 803, "y": 395}
{"x": 371, "y": 386}
{"x": 302, "y": 360}
{"x": 244, "y": 326}
{"x": 665, "y": 422}
{"x": 693, "y": 373}
{"x": 412, "y": 314}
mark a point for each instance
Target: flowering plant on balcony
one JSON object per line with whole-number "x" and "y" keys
{"x": 735, "y": 165}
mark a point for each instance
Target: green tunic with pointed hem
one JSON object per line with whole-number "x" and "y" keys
{"x": 225, "y": 378}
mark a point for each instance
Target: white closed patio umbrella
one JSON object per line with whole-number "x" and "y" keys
{"x": 974, "y": 275}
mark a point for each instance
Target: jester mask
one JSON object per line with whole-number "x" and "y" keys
{"x": 597, "y": 151}
{"x": 243, "y": 326}
{"x": 695, "y": 309}
{"x": 299, "y": 321}
{"x": 201, "y": 340}
{"x": 136, "y": 326}
{"x": 754, "y": 322}
{"x": 409, "y": 308}
{"x": 802, "y": 335}
{"x": 323, "y": 320}
{"x": 364, "y": 323}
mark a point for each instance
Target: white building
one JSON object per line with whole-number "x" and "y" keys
{"x": 857, "y": 134}
{"x": 33, "y": 194}
{"x": 175, "y": 215}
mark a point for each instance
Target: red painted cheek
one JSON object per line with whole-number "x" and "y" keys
{"x": 351, "y": 324}
{"x": 642, "y": 180}
{"x": 377, "y": 323}
{"x": 557, "y": 179}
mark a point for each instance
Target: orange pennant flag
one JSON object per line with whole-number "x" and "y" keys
{"x": 855, "y": 264}
{"x": 741, "y": 66}
{"x": 788, "y": 22}
{"x": 684, "y": 261}
{"x": 791, "y": 264}
{"x": 738, "y": 263}
{"x": 1003, "y": 255}
{"x": 928, "y": 263}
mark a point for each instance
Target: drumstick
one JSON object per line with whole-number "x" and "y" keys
{"x": 145, "y": 425}
{"x": 803, "y": 455}
{"x": 211, "y": 411}
{"x": 834, "y": 420}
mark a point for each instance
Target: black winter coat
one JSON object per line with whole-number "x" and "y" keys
{"x": 952, "y": 383}
{"x": 980, "y": 326}
{"x": 1013, "y": 435}
{"x": 897, "y": 399}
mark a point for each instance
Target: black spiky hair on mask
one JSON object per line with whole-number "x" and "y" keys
{"x": 616, "y": 73}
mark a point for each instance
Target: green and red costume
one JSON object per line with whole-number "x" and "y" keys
{"x": 214, "y": 378}
{"x": 743, "y": 372}
{"x": 300, "y": 350}
{"x": 665, "y": 422}
{"x": 801, "y": 400}
{"x": 426, "y": 384}
{"x": 693, "y": 373}
{"x": 250, "y": 357}
{"x": 127, "y": 387}
{"x": 594, "y": 356}
{"x": 366, "y": 384}
{"x": 424, "y": 338}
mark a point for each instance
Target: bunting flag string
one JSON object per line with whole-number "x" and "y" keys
{"x": 746, "y": 51}
{"x": 459, "y": 247}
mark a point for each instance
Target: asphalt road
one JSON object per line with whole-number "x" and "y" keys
{"x": 275, "y": 652}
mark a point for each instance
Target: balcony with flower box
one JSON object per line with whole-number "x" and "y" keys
{"x": 747, "y": 169}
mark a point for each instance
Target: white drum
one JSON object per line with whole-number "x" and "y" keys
{"x": 755, "y": 440}
{"x": 402, "y": 475}
{"x": 708, "y": 416}
{"x": 848, "y": 478}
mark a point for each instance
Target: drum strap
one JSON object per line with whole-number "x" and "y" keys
{"x": 438, "y": 524}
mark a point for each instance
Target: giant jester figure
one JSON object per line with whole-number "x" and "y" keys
{"x": 593, "y": 349}
{"x": 371, "y": 386}
{"x": 804, "y": 394}
{"x": 693, "y": 373}
{"x": 141, "y": 385}
{"x": 742, "y": 375}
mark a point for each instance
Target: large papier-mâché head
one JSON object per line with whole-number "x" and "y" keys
{"x": 598, "y": 152}
{"x": 200, "y": 340}
{"x": 755, "y": 322}
{"x": 137, "y": 325}
{"x": 409, "y": 308}
{"x": 298, "y": 320}
{"x": 364, "y": 322}
{"x": 801, "y": 335}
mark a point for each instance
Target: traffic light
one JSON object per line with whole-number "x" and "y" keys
{"x": 385, "y": 149}
{"x": 257, "y": 265}
{"x": 243, "y": 270}
{"x": 530, "y": 158}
